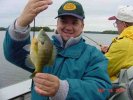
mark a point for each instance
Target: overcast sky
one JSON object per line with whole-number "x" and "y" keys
{"x": 96, "y": 13}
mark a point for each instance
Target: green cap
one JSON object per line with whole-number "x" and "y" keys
{"x": 72, "y": 8}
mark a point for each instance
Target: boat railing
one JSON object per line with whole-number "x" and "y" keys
{"x": 18, "y": 91}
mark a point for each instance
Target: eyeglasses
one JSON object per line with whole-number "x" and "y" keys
{"x": 115, "y": 25}
{"x": 117, "y": 22}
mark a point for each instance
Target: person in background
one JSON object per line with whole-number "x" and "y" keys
{"x": 120, "y": 52}
{"x": 79, "y": 70}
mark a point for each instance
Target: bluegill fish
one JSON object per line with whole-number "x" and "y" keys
{"x": 42, "y": 52}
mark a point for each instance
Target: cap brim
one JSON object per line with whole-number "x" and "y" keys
{"x": 112, "y": 18}
{"x": 70, "y": 14}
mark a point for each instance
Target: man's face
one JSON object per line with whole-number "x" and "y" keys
{"x": 120, "y": 25}
{"x": 69, "y": 26}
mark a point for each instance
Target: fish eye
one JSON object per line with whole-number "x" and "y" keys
{"x": 42, "y": 43}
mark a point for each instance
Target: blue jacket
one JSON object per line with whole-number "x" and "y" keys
{"x": 82, "y": 65}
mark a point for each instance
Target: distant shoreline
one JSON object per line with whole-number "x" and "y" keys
{"x": 52, "y": 30}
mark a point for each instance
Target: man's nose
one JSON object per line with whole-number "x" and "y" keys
{"x": 69, "y": 27}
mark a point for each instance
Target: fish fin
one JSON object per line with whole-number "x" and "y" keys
{"x": 54, "y": 53}
{"x": 34, "y": 51}
{"x": 29, "y": 63}
{"x": 27, "y": 47}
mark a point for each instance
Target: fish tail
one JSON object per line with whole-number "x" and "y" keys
{"x": 33, "y": 74}
{"x": 37, "y": 70}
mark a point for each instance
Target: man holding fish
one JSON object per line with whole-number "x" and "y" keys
{"x": 74, "y": 70}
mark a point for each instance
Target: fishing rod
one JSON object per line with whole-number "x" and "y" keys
{"x": 93, "y": 40}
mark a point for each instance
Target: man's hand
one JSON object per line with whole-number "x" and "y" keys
{"x": 46, "y": 84}
{"x": 31, "y": 10}
{"x": 104, "y": 49}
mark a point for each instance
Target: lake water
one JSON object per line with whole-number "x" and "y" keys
{"x": 11, "y": 74}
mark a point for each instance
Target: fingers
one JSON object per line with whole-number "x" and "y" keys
{"x": 49, "y": 2}
{"x": 46, "y": 84}
{"x": 104, "y": 49}
{"x": 39, "y": 6}
{"x": 31, "y": 10}
{"x": 47, "y": 76}
{"x": 44, "y": 90}
{"x": 44, "y": 81}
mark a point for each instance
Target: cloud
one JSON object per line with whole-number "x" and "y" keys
{"x": 96, "y": 11}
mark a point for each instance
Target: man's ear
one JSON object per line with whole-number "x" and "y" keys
{"x": 126, "y": 24}
{"x": 83, "y": 24}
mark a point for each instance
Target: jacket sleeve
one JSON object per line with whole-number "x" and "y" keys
{"x": 95, "y": 83}
{"x": 117, "y": 56}
{"x": 14, "y": 52}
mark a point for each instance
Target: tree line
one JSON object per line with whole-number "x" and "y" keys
{"x": 33, "y": 29}
{"x": 103, "y": 32}
{"x": 48, "y": 29}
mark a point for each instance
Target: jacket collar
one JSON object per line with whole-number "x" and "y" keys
{"x": 128, "y": 32}
{"x": 70, "y": 42}
{"x": 73, "y": 50}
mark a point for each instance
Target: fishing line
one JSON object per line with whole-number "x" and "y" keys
{"x": 92, "y": 40}
{"x": 34, "y": 22}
